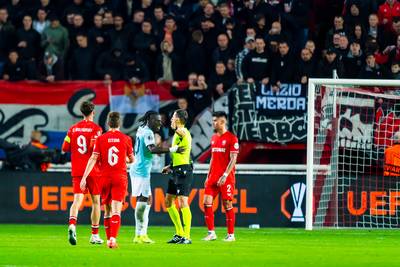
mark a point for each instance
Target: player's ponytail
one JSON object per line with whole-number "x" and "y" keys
{"x": 146, "y": 117}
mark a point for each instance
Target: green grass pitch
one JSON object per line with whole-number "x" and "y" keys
{"x": 47, "y": 245}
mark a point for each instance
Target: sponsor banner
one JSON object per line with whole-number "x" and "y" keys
{"x": 251, "y": 125}
{"x": 268, "y": 200}
{"x": 290, "y": 100}
{"x": 369, "y": 201}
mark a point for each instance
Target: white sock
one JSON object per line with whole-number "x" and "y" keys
{"x": 145, "y": 219}
{"x": 139, "y": 210}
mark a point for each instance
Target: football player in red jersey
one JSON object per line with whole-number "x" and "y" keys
{"x": 79, "y": 141}
{"x": 221, "y": 175}
{"x": 113, "y": 149}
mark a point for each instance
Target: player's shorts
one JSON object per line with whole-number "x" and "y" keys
{"x": 181, "y": 182}
{"x": 140, "y": 186}
{"x": 113, "y": 188}
{"x": 93, "y": 185}
{"x": 227, "y": 190}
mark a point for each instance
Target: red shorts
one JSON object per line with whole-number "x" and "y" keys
{"x": 93, "y": 185}
{"x": 226, "y": 190}
{"x": 113, "y": 188}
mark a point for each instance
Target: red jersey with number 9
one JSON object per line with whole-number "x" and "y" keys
{"x": 221, "y": 148}
{"x": 79, "y": 141}
{"x": 113, "y": 148}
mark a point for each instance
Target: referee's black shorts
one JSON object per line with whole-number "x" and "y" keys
{"x": 180, "y": 184}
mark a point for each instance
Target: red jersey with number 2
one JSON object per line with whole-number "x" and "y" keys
{"x": 79, "y": 141}
{"x": 113, "y": 147}
{"x": 221, "y": 148}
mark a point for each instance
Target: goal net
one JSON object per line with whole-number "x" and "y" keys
{"x": 352, "y": 124}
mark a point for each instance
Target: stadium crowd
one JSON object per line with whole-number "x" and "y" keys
{"x": 213, "y": 43}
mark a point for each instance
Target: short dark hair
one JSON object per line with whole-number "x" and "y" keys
{"x": 87, "y": 107}
{"x": 182, "y": 115}
{"x": 220, "y": 114}
{"x": 114, "y": 119}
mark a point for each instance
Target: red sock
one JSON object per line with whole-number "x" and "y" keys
{"x": 209, "y": 217}
{"x": 95, "y": 229}
{"x": 114, "y": 225}
{"x": 72, "y": 220}
{"x": 107, "y": 226}
{"x": 230, "y": 221}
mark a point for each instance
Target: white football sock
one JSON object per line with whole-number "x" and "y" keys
{"x": 139, "y": 210}
{"x": 145, "y": 219}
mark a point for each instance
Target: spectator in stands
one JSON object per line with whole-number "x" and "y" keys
{"x": 358, "y": 33}
{"x": 16, "y": 10}
{"x": 354, "y": 16}
{"x": 386, "y": 12}
{"x": 108, "y": 20}
{"x": 98, "y": 37}
{"x": 371, "y": 70}
{"x": 110, "y": 64}
{"x": 390, "y": 37}
{"x": 330, "y": 64}
{"x": 51, "y": 69}
{"x": 174, "y": 36}
{"x": 7, "y": 36}
{"x": 235, "y": 34}
{"x": 375, "y": 30}
{"x": 395, "y": 71}
{"x": 82, "y": 61}
{"x": 297, "y": 14}
{"x": 14, "y": 69}
{"x": 223, "y": 51}
{"x": 354, "y": 60}
{"x": 181, "y": 10}
{"x": 257, "y": 65}
{"x": 28, "y": 44}
{"x": 338, "y": 28}
{"x": 223, "y": 9}
{"x": 41, "y": 22}
{"x": 182, "y": 103}
{"x": 125, "y": 7}
{"x": 77, "y": 27}
{"x": 306, "y": 68}
{"x": 220, "y": 81}
{"x": 393, "y": 51}
{"x": 196, "y": 93}
{"x": 100, "y": 7}
{"x": 195, "y": 57}
{"x": 210, "y": 34}
{"x": 146, "y": 46}
{"x": 55, "y": 38}
{"x": 277, "y": 33}
{"x": 283, "y": 67}
{"x": 135, "y": 25}
{"x": 168, "y": 67}
{"x": 135, "y": 71}
{"x": 119, "y": 34}
{"x": 260, "y": 25}
{"x": 343, "y": 48}
{"x": 158, "y": 21}
{"x": 79, "y": 7}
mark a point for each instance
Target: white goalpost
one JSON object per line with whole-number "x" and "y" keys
{"x": 351, "y": 123}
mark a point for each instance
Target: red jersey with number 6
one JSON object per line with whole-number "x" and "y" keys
{"x": 113, "y": 148}
{"x": 221, "y": 147}
{"x": 79, "y": 141}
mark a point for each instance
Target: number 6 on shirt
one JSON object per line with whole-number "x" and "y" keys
{"x": 112, "y": 156}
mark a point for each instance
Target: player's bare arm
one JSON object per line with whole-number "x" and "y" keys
{"x": 167, "y": 169}
{"x": 163, "y": 150}
{"x": 232, "y": 162}
{"x": 89, "y": 167}
{"x": 130, "y": 158}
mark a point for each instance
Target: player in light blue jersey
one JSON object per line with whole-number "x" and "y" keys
{"x": 145, "y": 147}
